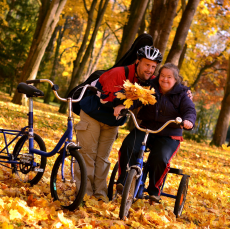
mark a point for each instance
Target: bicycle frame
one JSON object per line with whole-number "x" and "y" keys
{"x": 68, "y": 133}
{"x": 16, "y": 133}
{"x": 139, "y": 188}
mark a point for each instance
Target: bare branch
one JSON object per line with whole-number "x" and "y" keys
{"x": 113, "y": 32}
{"x": 85, "y": 7}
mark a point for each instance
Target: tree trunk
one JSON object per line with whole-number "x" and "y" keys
{"x": 137, "y": 10}
{"x": 182, "y": 32}
{"x": 49, "y": 51}
{"x": 93, "y": 64}
{"x": 56, "y": 60}
{"x": 162, "y": 15}
{"x": 182, "y": 56}
{"x": 78, "y": 70}
{"x": 158, "y": 14}
{"x": 142, "y": 27}
{"x": 47, "y": 21}
{"x": 222, "y": 125}
{"x": 166, "y": 25}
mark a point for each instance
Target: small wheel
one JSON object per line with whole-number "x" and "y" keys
{"x": 128, "y": 194}
{"x": 27, "y": 172}
{"x": 181, "y": 195}
{"x": 69, "y": 187}
{"x": 113, "y": 182}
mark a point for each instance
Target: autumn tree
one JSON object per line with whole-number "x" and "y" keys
{"x": 48, "y": 18}
{"x": 182, "y": 32}
{"x": 61, "y": 31}
{"x": 84, "y": 53}
{"x": 222, "y": 125}
{"x": 136, "y": 10}
{"x": 162, "y": 16}
{"x": 16, "y": 34}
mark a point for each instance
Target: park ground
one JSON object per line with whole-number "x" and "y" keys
{"x": 22, "y": 206}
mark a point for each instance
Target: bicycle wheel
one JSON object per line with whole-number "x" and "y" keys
{"x": 69, "y": 190}
{"x": 181, "y": 195}
{"x": 128, "y": 194}
{"x": 29, "y": 172}
{"x": 113, "y": 182}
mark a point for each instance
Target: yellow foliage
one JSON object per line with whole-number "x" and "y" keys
{"x": 225, "y": 147}
{"x": 134, "y": 92}
{"x": 206, "y": 206}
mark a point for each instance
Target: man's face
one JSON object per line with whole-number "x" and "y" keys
{"x": 145, "y": 68}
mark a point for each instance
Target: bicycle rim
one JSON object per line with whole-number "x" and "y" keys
{"x": 128, "y": 194}
{"x": 69, "y": 190}
{"x": 29, "y": 172}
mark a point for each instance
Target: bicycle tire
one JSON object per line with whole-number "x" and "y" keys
{"x": 26, "y": 169}
{"x": 66, "y": 191}
{"x": 112, "y": 182}
{"x": 128, "y": 192}
{"x": 181, "y": 195}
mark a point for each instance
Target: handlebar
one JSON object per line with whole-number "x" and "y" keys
{"x": 56, "y": 87}
{"x": 124, "y": 112}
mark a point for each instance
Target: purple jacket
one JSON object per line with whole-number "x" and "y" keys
{"x": 173, "y": 104}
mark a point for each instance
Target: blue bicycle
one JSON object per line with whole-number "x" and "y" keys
{"x": 134, "y": 186}
{"x": 69, "y": 175}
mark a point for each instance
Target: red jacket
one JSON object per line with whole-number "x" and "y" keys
{"x": 110, "y": 82}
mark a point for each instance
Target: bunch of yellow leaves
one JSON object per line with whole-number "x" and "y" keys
{"x": 134, "y": 92}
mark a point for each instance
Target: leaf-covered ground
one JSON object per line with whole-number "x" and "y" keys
{"x": 21, "y": 206}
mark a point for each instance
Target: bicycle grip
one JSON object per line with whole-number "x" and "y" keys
{"x": 33, "y": 81}
{"x": 124, "y": 112}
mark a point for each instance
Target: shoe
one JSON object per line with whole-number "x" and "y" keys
{"x": 154, "y": 199}
{"x": 119, "y": 188}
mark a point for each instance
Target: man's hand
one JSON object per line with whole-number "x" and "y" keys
{"x": 189, "y": 93}
{"x": 118, "y": 109}
{"x": 187, "y": 124}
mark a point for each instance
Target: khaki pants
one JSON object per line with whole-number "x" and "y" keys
{"x": 96, "y": 140}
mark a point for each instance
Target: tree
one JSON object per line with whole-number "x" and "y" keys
{"x": 182, "y": 32}
{"x": 162, "y": 16}
{"x": 81, "y": 59}
{"x": 222, "y": 125}
{"x": 56, "y": 59}
{"x": 137, "y": 10}
{"x": 206, "y": 66}
{"x": 48, "y": 18}
{"x": 17, "y": 29}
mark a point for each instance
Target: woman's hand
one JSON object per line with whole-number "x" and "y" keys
{"x": 118, "y": 109}
{"x": 189, "y": 93}
{"x": 187, "y": 124}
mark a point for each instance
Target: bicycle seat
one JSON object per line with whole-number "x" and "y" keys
{"x": 29, "y": 90}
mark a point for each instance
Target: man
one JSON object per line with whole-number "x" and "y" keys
{"x": 98, "y": 127}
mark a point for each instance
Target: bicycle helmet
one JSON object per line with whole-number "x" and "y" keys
{"x": 149, "y": 52}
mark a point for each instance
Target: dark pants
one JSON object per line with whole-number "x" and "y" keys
{"x": 162, "y": 149}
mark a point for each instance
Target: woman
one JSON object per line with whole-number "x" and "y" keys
{"x": 172, "y": 102}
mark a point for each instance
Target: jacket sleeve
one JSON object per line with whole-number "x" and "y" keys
{"x": 187, "y": 109}
{"x": 111, "y": 82}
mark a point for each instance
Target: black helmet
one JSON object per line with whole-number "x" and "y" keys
{"x": 149, "y": 52}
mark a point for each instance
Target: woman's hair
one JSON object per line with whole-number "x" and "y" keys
{"x": 175, "y": 71}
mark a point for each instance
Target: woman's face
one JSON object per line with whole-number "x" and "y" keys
{"x": 166, "y": 80}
